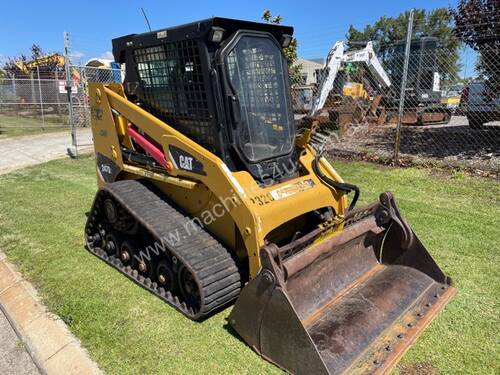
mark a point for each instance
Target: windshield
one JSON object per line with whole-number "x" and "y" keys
{"x": 256, "y": 70}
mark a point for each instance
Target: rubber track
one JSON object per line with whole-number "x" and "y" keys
{"x": 211, "y": 263}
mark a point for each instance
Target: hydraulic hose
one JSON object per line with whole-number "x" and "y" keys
{"x": 342, "y": 186}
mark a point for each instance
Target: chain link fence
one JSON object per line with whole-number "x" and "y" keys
{"x": 79, "y": 99}
{"x": 438, "y": 106}
{"x": 53, "y": 103}
{"x": 425, "y": 99}
{"x": 32, "y": 104}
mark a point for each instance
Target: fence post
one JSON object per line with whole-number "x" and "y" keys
{"x": 14, "y": 94}
{"x": 68, "y": 91}
{"x": 403, "y": 88}
{"x": 56, "y": 79}
{"x": 41, "y": 98}
{"x": 32, "y": 84}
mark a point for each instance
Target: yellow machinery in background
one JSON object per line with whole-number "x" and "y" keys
{"x": 27, "y": 67}
{"x": 354, "y": 90}
{"x": 48, "y": 60}
{"x": 207, "y": 196}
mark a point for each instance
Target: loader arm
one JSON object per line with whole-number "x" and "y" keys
{"x": 253, "y": 214}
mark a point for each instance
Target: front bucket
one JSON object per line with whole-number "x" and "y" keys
{"x": 352, "y": 303}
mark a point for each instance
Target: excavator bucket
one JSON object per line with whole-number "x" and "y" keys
{"x": 351, "y": 303}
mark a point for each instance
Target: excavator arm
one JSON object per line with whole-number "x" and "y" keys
{"x": 26, "y": 67}
{"x": 336, "y": 58}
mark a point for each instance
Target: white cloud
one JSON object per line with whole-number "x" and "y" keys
{"x": 76, "y": 55}
{"x": 108, "y": 55}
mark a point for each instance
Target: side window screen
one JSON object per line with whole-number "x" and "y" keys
{"x": 173, "y": 88}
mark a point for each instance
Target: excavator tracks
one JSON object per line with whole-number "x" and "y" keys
{"x": 133, "y": 229}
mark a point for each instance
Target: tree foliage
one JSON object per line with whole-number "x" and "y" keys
{"x": 387, "y": 31}
{"x": 478, "y": 26}
{"x": 289, "y": 52}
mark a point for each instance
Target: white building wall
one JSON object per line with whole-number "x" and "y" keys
{"x": 308, "y": 70}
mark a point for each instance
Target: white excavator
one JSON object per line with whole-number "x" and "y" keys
{"x": 379, "y": 105}
{"x": 337, "y": 57}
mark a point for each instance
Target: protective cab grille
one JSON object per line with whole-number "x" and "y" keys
{"x": 172, "y": 86}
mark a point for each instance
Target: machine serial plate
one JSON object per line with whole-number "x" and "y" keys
{"x": 291, "y": 189}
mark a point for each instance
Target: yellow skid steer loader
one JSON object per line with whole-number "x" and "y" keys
{"x": 207, "y": 196}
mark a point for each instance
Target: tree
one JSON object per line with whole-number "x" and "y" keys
{"x": 290, "y": 52}
{"x": 388, "y": 31}
{"x": 478, "y": 26}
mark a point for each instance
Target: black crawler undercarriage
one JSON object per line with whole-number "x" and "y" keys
{"x": 133, "y": 228}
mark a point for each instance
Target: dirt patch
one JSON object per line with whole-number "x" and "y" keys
{"x": 417, "y": 369}
{"x": 444, "y": 141}
{"x": 453, "y": 145}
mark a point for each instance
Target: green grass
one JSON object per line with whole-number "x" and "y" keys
{"x": 11, "y": 126}
{"x": 128, "y": 331}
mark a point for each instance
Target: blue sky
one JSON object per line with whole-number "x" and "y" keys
{"x": 92, "y": 24}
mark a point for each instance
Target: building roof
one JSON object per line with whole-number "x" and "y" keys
{"x": 314, "y": 63}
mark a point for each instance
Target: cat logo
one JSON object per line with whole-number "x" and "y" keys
{"x": 186, "y": 162}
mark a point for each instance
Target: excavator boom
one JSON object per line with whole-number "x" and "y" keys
{"x": 380, "y": 107}
{"x": 336, "y": 58}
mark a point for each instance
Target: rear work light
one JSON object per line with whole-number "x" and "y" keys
{"x": 216, "y": 34}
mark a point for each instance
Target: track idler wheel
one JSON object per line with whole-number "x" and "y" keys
{"x": 95, "y": 240}
{"x": 146, "y": 268}
{"x": 118, "y": 217}
{"x": 98, "y": 238}
{"x": 111, "y": 211}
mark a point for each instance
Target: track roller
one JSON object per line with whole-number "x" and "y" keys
{"x": 126, "y": 221}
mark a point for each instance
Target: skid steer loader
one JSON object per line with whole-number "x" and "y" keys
{"x": 206, "y": 196}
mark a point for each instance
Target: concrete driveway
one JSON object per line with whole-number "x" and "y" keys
{"x": 23, "y": 151}
{"x": 14, "y": 359}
